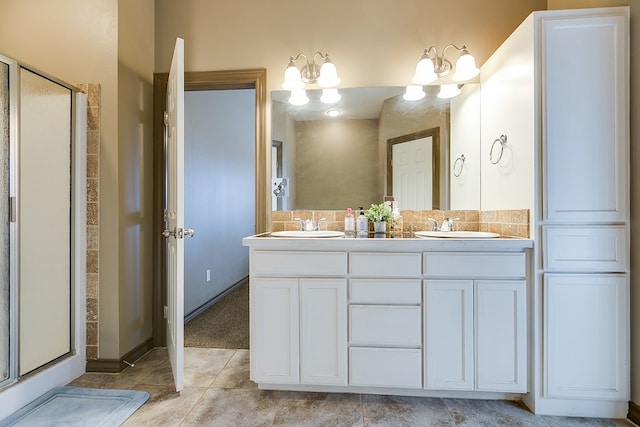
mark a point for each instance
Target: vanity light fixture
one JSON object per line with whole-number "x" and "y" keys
{"x": 325, "y": 76}
{"x": 330, "y": 96}
{"x": 431, "y": 66}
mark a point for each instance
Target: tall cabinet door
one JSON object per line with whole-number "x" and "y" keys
{"x": 586, "y": 335}
{"x": 501, "y": 335}
{"x": 585, "y": 118}
{"x": 275, "y": 343}
{"x": 323, "y": 316}
{"x": 448, "y": 349}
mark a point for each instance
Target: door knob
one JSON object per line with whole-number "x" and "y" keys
{"x": 166, "y": 233}
{"x": 189, "y": 232}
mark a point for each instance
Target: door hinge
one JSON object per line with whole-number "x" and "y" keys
{"x": 166, "y": 312}
{"x": 166, "y": 118}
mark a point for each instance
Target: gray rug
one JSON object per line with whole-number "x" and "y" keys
{"x": 78, "y": 406}
{"x": 223, "y": 325}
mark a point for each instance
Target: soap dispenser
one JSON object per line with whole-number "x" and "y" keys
{"x": 362, "y": 224}
{"x": 349, "y": 224}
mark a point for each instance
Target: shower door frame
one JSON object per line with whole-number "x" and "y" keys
{"x": 16, "y": 391}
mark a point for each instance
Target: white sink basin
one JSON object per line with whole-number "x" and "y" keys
{"x": 308, "y": 234}
{"x": 457, "y": 234}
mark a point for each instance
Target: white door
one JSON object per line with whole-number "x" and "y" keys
{"x": 412, "y": 180}
{"x": 174, "y": 125}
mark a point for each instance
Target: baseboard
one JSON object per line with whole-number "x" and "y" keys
{"x": 118, "y": 365}
{"x": 198, "y": 311}
{"x": 634, "y": 413}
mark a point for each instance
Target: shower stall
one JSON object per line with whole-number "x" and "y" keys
{"x": 42, "y": 233}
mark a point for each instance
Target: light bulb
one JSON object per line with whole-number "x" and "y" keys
{"x": 330, "y": 96}
{"x": 465, "y": 67}
{"x": 292, "y": 78}
{"x": 414, "y": 93}
{"x": 298, "y": 97}
{"x": 424, "y": 71}
{"x": 328, "y": 75}
{"x": 448, "y": 91}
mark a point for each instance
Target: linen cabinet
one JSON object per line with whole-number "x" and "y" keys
{"x": 576, "y": 131}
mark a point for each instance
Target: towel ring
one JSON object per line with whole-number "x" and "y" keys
{"x": 503, "y": 141}
{"x": 461, "y": 160}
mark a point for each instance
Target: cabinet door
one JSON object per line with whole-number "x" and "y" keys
{"x": 586, "y": 333}
{"x": 448, "y": 348}
{"x": 275, "y": 331}
{"x": 501, "y": 336}
{"x": 323, "y": 323}
{"x": 585, "y": 132}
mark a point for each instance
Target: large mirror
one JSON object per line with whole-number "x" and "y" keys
{"x": 423, "y": 152}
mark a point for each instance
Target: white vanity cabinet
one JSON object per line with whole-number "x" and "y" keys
{"x": 475, "y": 322}
{"x": 568, "y": 118}
{"x": 298, "y": 317}
{"x": 385, "y": 320}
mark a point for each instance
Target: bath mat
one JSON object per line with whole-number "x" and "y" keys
{"x": 78, "y": 406}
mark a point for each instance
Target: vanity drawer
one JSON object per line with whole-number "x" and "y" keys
{"x": 276, "y": 263}
{"x": 384, "y": 264}
{"x": 585, "y": 248}
{"x": 475, "y": 265}
{"x": 385, "y": 291}
{"x": 385, "y": 325}
{"x": 385, "y": 367}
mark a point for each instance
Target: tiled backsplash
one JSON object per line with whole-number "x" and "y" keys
{"x": 507, "y": 223}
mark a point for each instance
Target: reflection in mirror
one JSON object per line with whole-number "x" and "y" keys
{"x": 356, "y": 158}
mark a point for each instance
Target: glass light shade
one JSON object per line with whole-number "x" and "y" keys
{"x": 414, "y": 93}
{"x": 292, "y": 78}
{"x": 448, "y": 91}
{"x": 329, "y": 96}
{"x": 298, "y": 97}
{"x": 328, "y": 75}
{"x": 425, "y": 73}
{"x": 465, "y": 68}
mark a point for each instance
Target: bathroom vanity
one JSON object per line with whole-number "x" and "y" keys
{"x": 413, "y": 316}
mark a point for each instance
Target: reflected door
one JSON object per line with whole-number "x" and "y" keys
{"x": 412, "y": 177}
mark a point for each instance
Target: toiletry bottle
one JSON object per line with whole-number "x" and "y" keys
{"x": 362, "y": 224}
{"x": 349, "y": 224}
{"x": 396, "y": 221}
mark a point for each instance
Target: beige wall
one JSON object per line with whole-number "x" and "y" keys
{"x": 135, "y": 173}
{"x": 336, "y": 164}
{"x": 635, "y": 173}
{"x": 109, "y": 42}
{"x": 372, "y": 42}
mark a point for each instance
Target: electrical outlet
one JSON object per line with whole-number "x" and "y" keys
{"x": 208, "y": 275}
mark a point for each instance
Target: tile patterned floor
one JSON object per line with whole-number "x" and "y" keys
{"x": 218, "y": 392}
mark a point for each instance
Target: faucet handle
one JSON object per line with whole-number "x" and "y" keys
{"x": 317, "y": 227}
{"x": 435, "y": 224}
{"x": 447, "y": 224}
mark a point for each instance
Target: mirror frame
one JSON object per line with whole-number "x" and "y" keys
{"x": 434, "y": 133}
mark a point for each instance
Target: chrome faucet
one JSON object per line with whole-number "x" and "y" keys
{"x": 309, "y": 225}
{"x": 447, "y": 224}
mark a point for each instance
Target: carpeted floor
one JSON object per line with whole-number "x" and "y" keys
{"x": 223, "y": 325}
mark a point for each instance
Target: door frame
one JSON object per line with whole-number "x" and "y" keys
{"x": 203, "y": 80}
{"x": 434, "y": 133}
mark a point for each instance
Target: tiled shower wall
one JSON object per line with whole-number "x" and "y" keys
{"x": 93, "y": 219}
{"x": 507, "y": 223}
